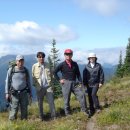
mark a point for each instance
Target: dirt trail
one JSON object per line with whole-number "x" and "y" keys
{"x": 91, "y": 124}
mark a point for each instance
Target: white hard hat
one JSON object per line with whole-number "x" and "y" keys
{"x": 92, "y": 55}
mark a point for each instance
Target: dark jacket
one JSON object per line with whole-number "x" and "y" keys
{"x": 67, "y": 72}
{"x": 93, "y": 76}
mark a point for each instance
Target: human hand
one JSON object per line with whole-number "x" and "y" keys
{"x": 7, "y": 96}
{"x": 62, "y": 81}
{"x": 100, "y": 85}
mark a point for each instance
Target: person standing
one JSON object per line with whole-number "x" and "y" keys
{"x": 93, "y": 78}
{"x": 70, "y": 73}
{"x": 41, "y": 82}
{"x": 17, "y": 89}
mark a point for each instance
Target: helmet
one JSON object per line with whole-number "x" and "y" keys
{"x": 68, "y": 51}
{"x": 91, "y": 55}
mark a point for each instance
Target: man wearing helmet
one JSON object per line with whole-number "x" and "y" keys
{"x": 93, "y": 78}
{"x": 70, "y": 72}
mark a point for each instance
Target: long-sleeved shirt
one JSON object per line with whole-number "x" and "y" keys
{"x": 18, "y": 79}
{"x": 68, "y": 73}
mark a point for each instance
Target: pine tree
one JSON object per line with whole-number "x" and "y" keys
{"x": 126, "y": 65}
{"x": 53, "y": 62}
{"x": 50, "y": 67}
{"x": 119, "y": 70}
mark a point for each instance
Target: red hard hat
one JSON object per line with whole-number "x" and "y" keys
{"x": 68, "y": 51}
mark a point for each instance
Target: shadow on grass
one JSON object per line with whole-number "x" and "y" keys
{"x": 107, "y": 105}
{"x": 61, "y": 113}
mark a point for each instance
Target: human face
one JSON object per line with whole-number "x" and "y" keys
{"x": 92, "y": 59}
{"x": 68, "y": 56}
{"x": 40, "y": 59}
{"x": 20, "y": 63}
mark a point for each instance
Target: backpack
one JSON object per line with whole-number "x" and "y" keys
{"x": 12, "y": 65}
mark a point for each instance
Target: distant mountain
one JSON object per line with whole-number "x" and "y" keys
{"x": 29, "y": 61}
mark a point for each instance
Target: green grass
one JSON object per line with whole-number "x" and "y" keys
{"x": 115, "y": 115}
{"x": 118, "y": 113}
{"x": 117, "y": 95}
{"x": 74, "y": 122}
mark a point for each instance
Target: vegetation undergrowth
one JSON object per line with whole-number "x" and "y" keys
{"x": 116, "y": 111}
{"x": 115, "y": 115}
{"x": 76, "y": 121}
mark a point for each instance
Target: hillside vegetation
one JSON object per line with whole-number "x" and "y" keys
{"x": 115, "y": 115}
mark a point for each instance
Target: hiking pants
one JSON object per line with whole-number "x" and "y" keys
{"x": 93, "y": 98}
{"x": 67, "y": 88}
{"x": 19, "y": 100}
{"x": 50, "y": 98}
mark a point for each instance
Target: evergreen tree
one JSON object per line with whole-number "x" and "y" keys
{"x": 53, "y": 62}
{"x": 126, "y": 65}
{"x": 54, "y": 54}
{"x": 119, "y": 70}
{"x": 50, "y": 67}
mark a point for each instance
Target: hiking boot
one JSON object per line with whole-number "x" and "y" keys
{"x": 67, "y": 114}
{"x": 98, "y": 111}
{"x": 42, "y": 118}
{"x": 88, "y": 114}
{"x": 92, "y": 112}
{"x": 53, "y": 118}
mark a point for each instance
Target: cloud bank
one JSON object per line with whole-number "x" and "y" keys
{"x": 28, "y": 36}
{"x": 106, "y": 56}
{"x": 103, "y": 7}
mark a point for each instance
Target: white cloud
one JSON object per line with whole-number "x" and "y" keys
{"x": 104, "y": 7}
{"x": 105, "y": 56}
{"x": 30, "y": 36}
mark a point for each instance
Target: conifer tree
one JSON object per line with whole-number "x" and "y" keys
{"x": 53, "y": 62}
{"x": 126, "y": 65}
{"x": 119, "y": 70}
{"x": 50, "y": 67}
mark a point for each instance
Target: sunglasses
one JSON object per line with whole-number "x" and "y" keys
{"x": 21, "y": 60}
{"x": 41, "y": 57}
{"x": 68, "y": 54}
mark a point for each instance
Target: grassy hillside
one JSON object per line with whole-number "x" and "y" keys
{"x": 115, "y": 115}
{"x": 115, "y": 100}
{"x": 76, "y": 121}
{"x": 115, "y": 97}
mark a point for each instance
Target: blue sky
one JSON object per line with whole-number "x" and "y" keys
{"x": 28, "y": 25}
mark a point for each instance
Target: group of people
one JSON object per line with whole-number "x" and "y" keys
{"x": 18, "y": 86}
